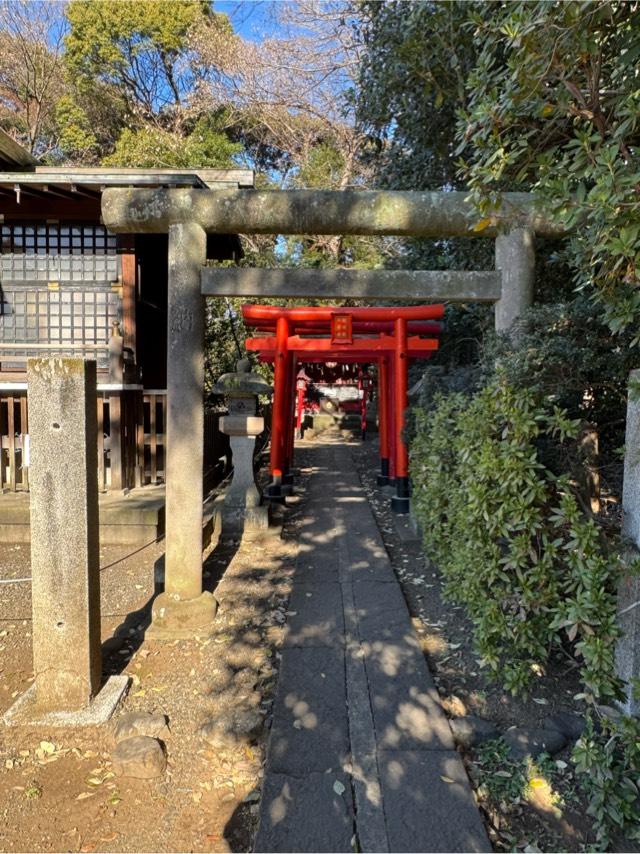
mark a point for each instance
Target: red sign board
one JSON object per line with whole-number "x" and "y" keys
{"x": 341, "y": 329}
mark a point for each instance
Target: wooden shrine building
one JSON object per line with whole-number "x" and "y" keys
{"x": 69, "y": 287}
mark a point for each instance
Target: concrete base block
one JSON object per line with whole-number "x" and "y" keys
{"x": 25, "y": 711}
{"x": 132, "y": 519}
{"x": 172, "y": 619}
{"x": 405, "y": 528}
{"x": 241, "y": 521}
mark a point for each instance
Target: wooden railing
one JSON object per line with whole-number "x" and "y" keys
{"x": 131, "y": 440}
{"x": 152, "y": 437}
{"x": 14, "y": 474}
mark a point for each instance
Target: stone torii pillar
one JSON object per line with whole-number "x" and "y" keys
{"x": 516, "y": 261}
{"x": 183, "y": 609}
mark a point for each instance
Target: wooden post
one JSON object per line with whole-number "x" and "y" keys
{"x": 115, "y": 443}
{"x": 128, "y": 261}
{"x": 24, "y": 430}
{"x": 100, "y": 443}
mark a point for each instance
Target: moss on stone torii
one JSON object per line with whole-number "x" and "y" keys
{"x": 366, "y": 212}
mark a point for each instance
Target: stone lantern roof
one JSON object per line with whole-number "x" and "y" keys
{"x": 242, "y": 382}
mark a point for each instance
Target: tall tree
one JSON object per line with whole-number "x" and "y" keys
{"x": 31, "y": 72}
{"x": 289, "y": 97}
{"x": 138, "y": 55}
{"x": 412, "y": 83}
{"x": 553, "y": 103}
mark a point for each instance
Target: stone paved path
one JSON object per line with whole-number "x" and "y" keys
{"x": 360, "y": 755}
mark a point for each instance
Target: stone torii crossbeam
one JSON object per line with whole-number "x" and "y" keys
{"x": 188, "y": 215}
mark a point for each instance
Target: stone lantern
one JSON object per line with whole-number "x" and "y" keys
{"x": 242, "y": 512}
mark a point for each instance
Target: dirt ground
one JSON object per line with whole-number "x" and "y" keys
{"x": 57, "y": 790}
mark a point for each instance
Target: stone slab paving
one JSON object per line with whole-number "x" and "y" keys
{"x": 360, "y": 755}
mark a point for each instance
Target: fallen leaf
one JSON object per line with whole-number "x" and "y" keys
{"x": 538, "y": 783}
{"x": 446, "y": 779}
{"x": 83, "y": 795}
{"x": 109, "y": 837}
{"x": 47, "y": 747}
{"x": 482, "y": 224}
{"x": 540, "y": 701}
{"x": 338, "y": 788}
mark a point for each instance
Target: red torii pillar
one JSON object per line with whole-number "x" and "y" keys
{"x": 383, "y": 420}
{"x": 278, "y": 413}
{"x": 400, "y": 501}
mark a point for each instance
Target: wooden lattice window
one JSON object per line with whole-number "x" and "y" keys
{"x": 57, "y": 239}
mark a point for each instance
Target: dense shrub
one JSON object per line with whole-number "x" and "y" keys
{"x": 509, "y": 537}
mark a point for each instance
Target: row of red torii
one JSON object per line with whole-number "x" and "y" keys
{"x": 388, "y": 337}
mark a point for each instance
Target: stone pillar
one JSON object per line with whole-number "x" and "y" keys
{"x": 64, "y": 532}
{"x": 183, "y": 610}
{"x": 516, "y": 259}
{"x": 628, "y": 647}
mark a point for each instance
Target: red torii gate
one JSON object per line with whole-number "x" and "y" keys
{"x": 387, "y": 336}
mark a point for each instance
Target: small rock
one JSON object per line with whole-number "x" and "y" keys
{"x": 140, "y": 723}
{"x": 141, "y": 757}
{"x": 610, "y": 713}
{"x": 570, "y": 725}
{"x": 470, "y": 731}
{"x": 237, "y": 727}
{"x": 532, "y": 742}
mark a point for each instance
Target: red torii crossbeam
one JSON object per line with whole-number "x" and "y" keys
{"x": 386, "y": 336}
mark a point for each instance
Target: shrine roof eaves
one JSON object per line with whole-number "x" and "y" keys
{"x": 91, "y": 181}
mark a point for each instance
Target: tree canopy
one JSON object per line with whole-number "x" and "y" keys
{"x": 541, "y": 96}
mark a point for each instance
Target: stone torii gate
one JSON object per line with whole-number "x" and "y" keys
{"x": 188, "y": 215}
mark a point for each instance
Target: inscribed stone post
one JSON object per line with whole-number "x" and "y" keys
{"x": 64, "y": 532}
{"x": 516, "y": 260}
{"x": 628, "y": 647}
{"x": 183, "y": 609}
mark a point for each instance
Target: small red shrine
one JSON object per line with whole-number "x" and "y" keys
{"x": 387, "y": 337}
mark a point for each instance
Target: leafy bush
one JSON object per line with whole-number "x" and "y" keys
{"x": 509, "y": 537}
{"x": 608, "y": 761}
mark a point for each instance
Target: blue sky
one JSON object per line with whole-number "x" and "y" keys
{"x": 248, "y": 17}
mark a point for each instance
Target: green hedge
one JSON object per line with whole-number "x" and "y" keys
{"x": 509, "y": 537}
